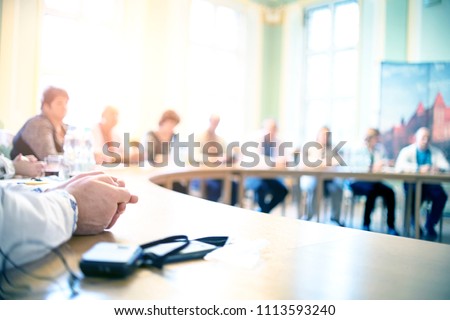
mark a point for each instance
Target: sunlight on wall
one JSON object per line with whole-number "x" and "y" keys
{"x": 216, "y": 67}
{"x": 141, "y": 56}
{"x": 83, "y": 49}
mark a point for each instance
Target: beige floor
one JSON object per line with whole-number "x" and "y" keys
{"x": 378, "y": 223}
{"x": 291, "y": 209}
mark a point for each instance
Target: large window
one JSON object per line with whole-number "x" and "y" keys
{"x": 82, "y": 52}
{"x": 331, "y": 60}
{"x": 216, "y": 66}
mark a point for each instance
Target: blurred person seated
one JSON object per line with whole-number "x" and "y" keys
{"x": 43, "y": 134}
{"x": 332, "y": 188}
{"x": 106, "y": 136}
{"x": 374, "y": 155}
{"x": 84, "y": 205}
{"x": 214, "y": 149}
{"x": 422, "y": 157}
{"x": 157, "y": 144}
{"x": 109, "y": 144}
{"x": 269, "y": 192}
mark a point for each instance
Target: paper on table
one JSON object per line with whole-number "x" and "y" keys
{"x": 241, "y": 253}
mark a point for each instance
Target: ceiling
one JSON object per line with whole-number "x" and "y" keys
{"x": 274, "y": 3}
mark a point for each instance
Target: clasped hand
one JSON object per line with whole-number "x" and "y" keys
{"x": 101, "y": 199}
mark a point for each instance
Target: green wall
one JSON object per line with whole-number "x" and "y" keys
{"x": 435, "y": 45}
{"x": 396, "y": 30}
{"x": 433, "y": 38}
{"x": 271, "y": 71}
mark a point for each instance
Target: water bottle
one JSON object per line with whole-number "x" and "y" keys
{"x": 79, "y": 150}
{"x": 70, "y": 156}
{"x": 87, "y": 151}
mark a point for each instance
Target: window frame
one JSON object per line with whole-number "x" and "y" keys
{"x": 331, "y": 98}
{"x": 240, "y": 53}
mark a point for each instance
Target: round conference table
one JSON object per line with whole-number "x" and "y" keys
{"x": 167, "y": 175}
{"x": 272, "y": 257}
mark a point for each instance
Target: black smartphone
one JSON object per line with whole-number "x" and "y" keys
{"x": 195, "y": 250}
{"x": 109, "y": 259}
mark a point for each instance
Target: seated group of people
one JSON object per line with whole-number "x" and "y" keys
{"x": 34, "y": 220}
{"x": 92, "y": 202}
{"x": 419, "y": 157}
{"x": 43, "y": 135}
{"x": 268, "y": 192}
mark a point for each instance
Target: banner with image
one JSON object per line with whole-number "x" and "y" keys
{"x": 415, "y": 95}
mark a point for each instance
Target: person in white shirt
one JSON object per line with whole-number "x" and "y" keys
{"x": 423, "y": 157}
{"x": 86, "y": 204}
{"x": 109, "y": 143}
{"x": 332, "y": 188}
{"x": 375, "y": 155}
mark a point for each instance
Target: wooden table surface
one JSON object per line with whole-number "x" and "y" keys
{"x": 295, "y": 259}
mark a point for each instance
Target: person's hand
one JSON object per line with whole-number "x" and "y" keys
{"x": 31, "y": 158}
{"x": 378, "y": 166}
{"x": 28, "y": 166}
{"x": 101, "y": 200}
{"x": 213, "y": 160}
{"x": 63, "y": 185}
{"x": 281, "y": 162}
{"x": 101, "y": 158}
{"x": 434, "y": 170}
{"x": 425, "y": 168}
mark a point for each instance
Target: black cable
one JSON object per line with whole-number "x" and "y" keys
{"x": 154, "y": 260}
{"x": 147, "y": 259}
{"x": 73, "y": 278}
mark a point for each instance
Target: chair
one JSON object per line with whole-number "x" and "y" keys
{"x": 445, "y": 215}
{"x": 250, "y": 200}
{"x": 308, "y": 199}
{"x": 426, "y": 209}
{"x": 349, "y": 201}
{"x": 352, "y": 199}
{"x": 304, "y": 202}
{"x": 305, "y": 187}
{"x": 302, "y": 207}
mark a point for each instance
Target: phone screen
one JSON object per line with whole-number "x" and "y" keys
{"x": 195, "y": 250}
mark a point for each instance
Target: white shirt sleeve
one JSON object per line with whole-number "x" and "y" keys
{"x": 7, "y": 169}
{"x": 406, "y": 160}
{"x": 28, "y": 218}
{"x": 438, "y": 159}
